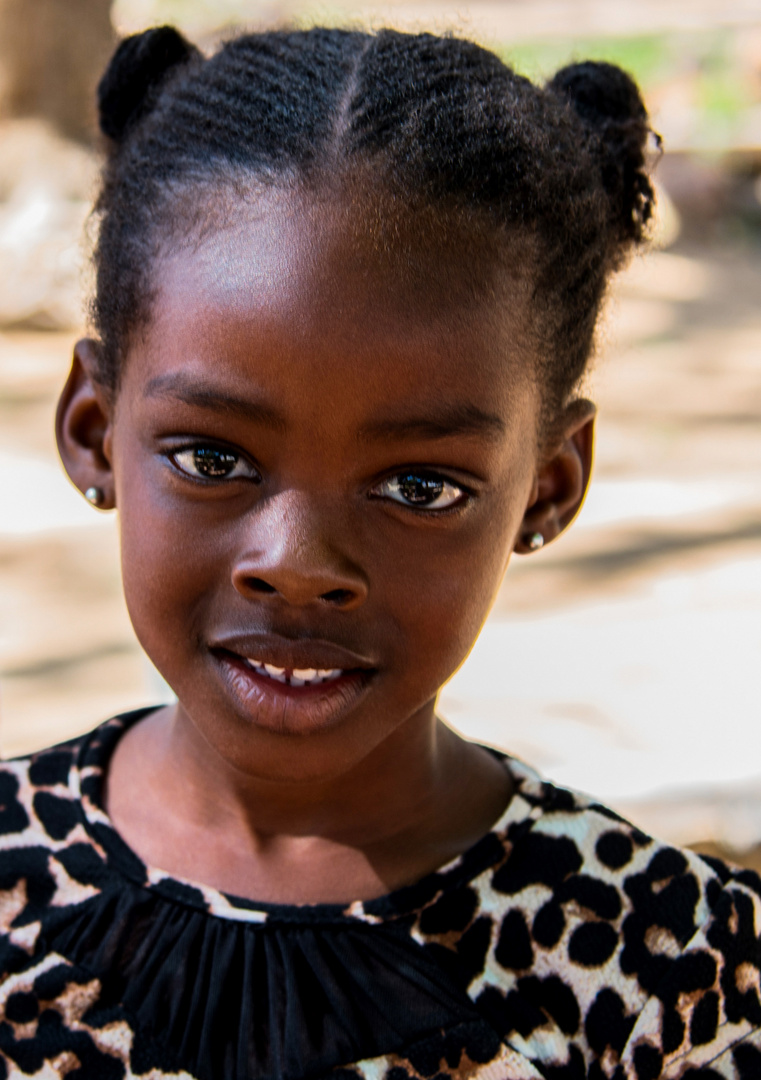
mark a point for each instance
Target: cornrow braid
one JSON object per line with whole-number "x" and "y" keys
{"x": 441, "y": 121}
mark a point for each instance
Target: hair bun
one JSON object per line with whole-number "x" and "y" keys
{"x": 600, "y": 93}
{"x": 130, "y": 84}
{"x": 608, "y": 102}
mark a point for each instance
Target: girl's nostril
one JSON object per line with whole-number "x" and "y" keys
{"x": 337, "y": 596}
{"x": 259, "y": 585}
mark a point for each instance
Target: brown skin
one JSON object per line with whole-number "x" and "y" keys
{"x": 348, "y": 794}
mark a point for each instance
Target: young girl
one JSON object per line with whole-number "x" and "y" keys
{"x": 347, "y": 288}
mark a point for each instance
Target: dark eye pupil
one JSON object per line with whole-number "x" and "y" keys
{"x": 420, "y": 490}
{"x": 213, "y": 462}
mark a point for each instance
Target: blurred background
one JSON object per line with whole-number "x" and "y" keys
{"x": 624, "y": 660}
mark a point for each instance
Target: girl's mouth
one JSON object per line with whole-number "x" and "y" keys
{"x": 292, "y": 700}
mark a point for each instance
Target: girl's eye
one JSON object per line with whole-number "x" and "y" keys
{"x": 422, "y": 490}
{"x": 213, "y": 463}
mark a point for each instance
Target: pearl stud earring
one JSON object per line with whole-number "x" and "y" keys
{"x": 94, "y": 496}
{"x": 535, "y": 541}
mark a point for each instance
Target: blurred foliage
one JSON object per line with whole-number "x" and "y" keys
{"x": 723, "y": 88}
{"x": 707, "y": 58}
{"x": 705, "y": 73}
{"x": 647, "y": 58}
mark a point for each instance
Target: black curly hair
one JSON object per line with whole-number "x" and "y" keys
{"x": 441, "y": 122}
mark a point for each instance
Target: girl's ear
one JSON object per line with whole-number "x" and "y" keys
{"x": 83, "y": 427}
{"x": 562, "y": 480}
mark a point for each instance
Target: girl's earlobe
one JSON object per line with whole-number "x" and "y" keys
{"x": 562, "y": 480}
{"x": 83, "y": 427}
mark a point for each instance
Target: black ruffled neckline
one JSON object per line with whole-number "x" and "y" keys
{"x": 227, "y": 989}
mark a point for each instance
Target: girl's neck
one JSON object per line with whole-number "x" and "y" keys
{"x": 418, "y": 800}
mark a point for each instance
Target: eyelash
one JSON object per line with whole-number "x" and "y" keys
{"x": 413, "y": 476}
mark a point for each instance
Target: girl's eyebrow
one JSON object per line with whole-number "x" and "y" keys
{"x": 447, "y": 422}
{"x": 195, "y": 392}
{"x": 451, "y": 420}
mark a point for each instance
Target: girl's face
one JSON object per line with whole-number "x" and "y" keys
{"x": 322, "y": 451}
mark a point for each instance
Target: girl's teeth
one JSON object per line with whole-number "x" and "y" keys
{"x": 296, "y": 676}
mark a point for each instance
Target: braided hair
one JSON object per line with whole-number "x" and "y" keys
{"x": 441, "y": 122}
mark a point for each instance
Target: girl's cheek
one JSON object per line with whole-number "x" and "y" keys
{"x": 444, "y": 597}
{"x": 166, "y": 564}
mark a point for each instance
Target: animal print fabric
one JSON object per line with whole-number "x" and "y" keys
{"x": 566, "y": 944}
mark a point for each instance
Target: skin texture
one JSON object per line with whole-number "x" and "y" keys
{"x": 327, "y": 360}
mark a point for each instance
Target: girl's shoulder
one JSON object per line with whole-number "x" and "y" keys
{"x": 50, "y": 857}
{"x": 594, "y": 948}
{"x": 45, "y": 793}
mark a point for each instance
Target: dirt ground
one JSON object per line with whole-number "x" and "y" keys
{"x": 622, "y": 660}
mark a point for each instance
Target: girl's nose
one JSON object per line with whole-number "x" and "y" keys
{"x": 293, "y": 552}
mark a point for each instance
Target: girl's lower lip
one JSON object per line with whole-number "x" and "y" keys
{"x": 288, "y": 709}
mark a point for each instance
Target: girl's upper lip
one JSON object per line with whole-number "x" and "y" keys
{"x": 291, "y": 652}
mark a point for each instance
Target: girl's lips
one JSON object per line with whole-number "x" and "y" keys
{"x": 301, "y": 653}
{"x": 287, "y": 703}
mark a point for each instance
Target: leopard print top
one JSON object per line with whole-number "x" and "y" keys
{"x": 564, "y": 945}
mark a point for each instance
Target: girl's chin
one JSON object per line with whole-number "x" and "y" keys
{"x": 286, "y": 709}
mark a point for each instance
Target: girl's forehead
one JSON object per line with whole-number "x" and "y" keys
{"x": 355, "y": 247}
{"x": 336, "y": 287}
